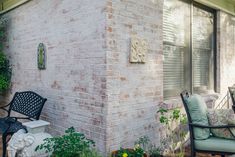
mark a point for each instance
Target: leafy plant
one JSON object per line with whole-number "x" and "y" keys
{"x": 123, "y": 153}
{"x": 175, "y": 135}
{"x": 154, "y": 151}
{"x": 72, "y": 144}
{"x": 143, "y": 142}
{"x": 136, "y": 152}
{"x": 5, "y": 68}
{"x": 91, "y": 153}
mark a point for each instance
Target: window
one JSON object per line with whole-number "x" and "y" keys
{"x": 188, "y": 49}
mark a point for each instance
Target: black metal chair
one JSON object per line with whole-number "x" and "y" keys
{"x": 184, "y": 96}
{"x": 29, "y": 105}
{"x": 232, "y": 92}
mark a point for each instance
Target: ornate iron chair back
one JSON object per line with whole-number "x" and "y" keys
{"x": 27, "y": 103}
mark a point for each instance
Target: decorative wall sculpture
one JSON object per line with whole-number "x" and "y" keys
{"x": 139, "y": 48}
{"x": 41, "y": 56}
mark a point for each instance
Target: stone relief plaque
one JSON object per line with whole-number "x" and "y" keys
{"x": 139, "y": 48}
{"x": 41, "y": 56}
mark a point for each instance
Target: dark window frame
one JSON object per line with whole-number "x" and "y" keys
{"x": 190, "y": 62}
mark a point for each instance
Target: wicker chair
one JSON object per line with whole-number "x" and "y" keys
{"x": 212, "y": 145}
{"x": 29, "y": 105}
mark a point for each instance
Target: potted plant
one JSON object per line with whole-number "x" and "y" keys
{"x": 71, "y": 144}
{"x": 140, "y": 149}
{"x": 137, "y": 151}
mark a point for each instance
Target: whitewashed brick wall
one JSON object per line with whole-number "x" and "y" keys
{"x": 89, "y": 82}
{"x": 134, "y": 90}
{"x": 75, "y": 79}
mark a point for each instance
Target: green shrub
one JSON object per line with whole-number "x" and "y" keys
{"x": 148, "y": 147}
{"x": 174, "y": 122}
{"x": 72, "y": 144}
{"x": 154, "y": 151}
{"x": 5, "y": 69}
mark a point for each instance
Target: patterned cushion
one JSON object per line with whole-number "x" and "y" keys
{"x": 221, "y": 117}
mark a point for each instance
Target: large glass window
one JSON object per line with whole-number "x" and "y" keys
{"x": 188, "y": 48}
{"x": 203, "y": 50}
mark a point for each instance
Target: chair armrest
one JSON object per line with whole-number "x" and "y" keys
{"x": 4, "y": 108}
{"x": 229, "y": 127}
{"x": 11, "y": 120}
{"x": 31, "y": 119}
{"x": 211, "y": 127}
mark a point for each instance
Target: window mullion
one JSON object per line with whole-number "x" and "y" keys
{"x": 191, "y": 48}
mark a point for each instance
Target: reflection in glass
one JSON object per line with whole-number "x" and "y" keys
{"x": 188, "y": 50}
{"x": 203, "y": 48}
{"x": 176, "y": 25}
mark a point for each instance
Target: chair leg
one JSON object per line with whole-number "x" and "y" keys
{"x": 4, "y": 145}
{"x": 193, "y": 153}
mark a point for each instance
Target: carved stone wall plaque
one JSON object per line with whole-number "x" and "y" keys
{"x": 41, "y": 56}
{"x": 139, "y": 48}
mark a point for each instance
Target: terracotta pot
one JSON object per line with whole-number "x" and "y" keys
{"x": 114, "y": 153}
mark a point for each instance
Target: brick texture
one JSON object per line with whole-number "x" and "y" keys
{"x": 75, "y": 79}
{"x": 89, "y": 82}
{"x": 134, "y": 90}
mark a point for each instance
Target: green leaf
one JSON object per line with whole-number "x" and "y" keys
{"x": 70, "y": 144}
{"x": 162, "y": 110}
